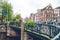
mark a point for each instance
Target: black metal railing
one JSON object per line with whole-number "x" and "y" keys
{"x": 47, "y": 29}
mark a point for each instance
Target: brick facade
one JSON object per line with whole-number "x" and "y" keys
{"x": 45, "y": 14}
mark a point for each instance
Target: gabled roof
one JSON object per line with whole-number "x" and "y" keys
{"x": 45, "y": 7}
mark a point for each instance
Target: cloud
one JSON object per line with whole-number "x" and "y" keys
{"x": 26, "y": 7}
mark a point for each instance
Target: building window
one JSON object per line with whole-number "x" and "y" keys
{"x": 52, "y": 15}
{"x": 49, "y": 8}
{"x": 48, "y": 15}
{"x": 45, "y": 15}
{"x": 47, "y": 11}
{"x": 51, "y": 11}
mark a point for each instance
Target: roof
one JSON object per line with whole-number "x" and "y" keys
{"x": 57, "y": 8}
{"x": 46, "y": 7}
{"x": 43, "y": 9}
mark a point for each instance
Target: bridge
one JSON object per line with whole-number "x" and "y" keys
{"x": 39, "y": 32}
{"x": 46, "y": 31}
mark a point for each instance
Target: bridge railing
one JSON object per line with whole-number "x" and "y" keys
{"x": 49, "y": 30}
{"x": 57, "y": 37}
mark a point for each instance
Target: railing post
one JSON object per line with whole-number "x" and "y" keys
{"x": 22, "y": 31}
{"x": 23, "y": 34}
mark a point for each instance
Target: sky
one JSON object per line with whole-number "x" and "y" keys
{"x": 26, "y": 7}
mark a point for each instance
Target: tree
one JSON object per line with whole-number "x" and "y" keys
{"x": 18, "y": 16}
{"x": 30, "y": 24}
{"x": 18, "y": 20}
{"x": 7, "y": 11}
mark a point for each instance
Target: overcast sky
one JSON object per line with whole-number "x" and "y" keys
{"x": 26, "y": 7}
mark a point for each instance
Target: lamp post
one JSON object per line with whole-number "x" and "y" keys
{"x": 7, "y": 26}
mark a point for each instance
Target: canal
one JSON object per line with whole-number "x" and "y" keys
{"x": 10, "y": 35}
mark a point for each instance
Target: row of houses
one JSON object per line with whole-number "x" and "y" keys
{"x": 45, "y": 14}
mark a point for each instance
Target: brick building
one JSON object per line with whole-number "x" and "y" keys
{"x": 26, "y": 19}
{"x": 45, "y": 14}
{"x": 37, "y": 16}
{"x": 57, "y": 12}
{"x": 32, "y": 17}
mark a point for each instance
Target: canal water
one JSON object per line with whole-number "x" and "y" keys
{"x": 10, "y": 35}
{"x": 13, "y": 38}
{"x": 4, "y": 37}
